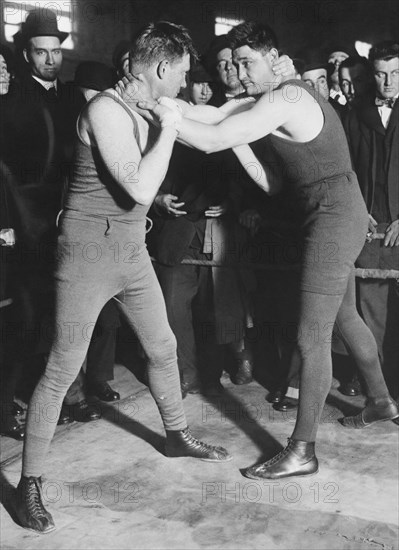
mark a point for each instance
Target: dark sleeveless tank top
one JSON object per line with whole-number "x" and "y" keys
{"x": 93, "y": 189}
{"x": 324, "y": 157}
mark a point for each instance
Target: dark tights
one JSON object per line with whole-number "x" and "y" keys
{"x": 317, "y": 314}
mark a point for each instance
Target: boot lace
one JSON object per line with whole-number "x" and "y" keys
{"x": 33, "y": 500}
{"x": 200, "y": 445}
{"x": 276, "y": 458}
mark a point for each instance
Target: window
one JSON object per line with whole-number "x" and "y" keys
{"x": 362, "y": 48}
{"x": 15, "y": 12}
{"x": 224, "y": 25}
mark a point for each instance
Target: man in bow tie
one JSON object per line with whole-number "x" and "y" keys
{"x": 373, "y": 134}
{"x": 386, "y": 74}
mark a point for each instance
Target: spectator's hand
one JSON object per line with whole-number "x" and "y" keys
{"x": 7, "y": 237}
{"x": 251, "y": 219}
{"x": 284, "y": 66}
{"x": 392, "y": 234}
{"x": 216, "y": 211}
{"x": 167, "y": 204}
{"x": 372, "y": 228}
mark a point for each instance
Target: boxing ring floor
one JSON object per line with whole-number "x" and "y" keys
{"x": 108, "y": 485}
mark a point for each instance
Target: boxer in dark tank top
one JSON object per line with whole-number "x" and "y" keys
{"x": 309, "y": 142}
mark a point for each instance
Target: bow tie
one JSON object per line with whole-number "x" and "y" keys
{"x": 387, "y": 102}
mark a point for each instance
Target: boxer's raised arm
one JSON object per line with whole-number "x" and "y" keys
{"x": 208, "y": 114}
{"x": 264, "y": 117}
{"x": 111, "y": 129}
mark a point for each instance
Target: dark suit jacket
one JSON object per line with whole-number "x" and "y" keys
{"x": 40, "y": 147}
{"x": 364, "y": 127}
{"x": 200, "y": 181}
{"x": 43, "y": 131}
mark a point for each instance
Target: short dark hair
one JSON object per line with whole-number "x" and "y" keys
{"x": 355, "y": 60}
{"x": 389, "y": 49}
{"x": 161, "y": 40}
{"x": 257, "y": 36}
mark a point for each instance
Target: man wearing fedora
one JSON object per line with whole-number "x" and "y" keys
{"x": 44, "y": 130}
{"x": 41, "y": 145}
{"x": 316, "y": 71}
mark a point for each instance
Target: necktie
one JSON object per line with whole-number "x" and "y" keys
{"x": 52, "y": 93}
{"x": 387, "y": 102}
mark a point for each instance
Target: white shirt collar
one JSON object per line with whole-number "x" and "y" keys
{"x": 341, "y": 98}
{"x": 385, "y": 113}
{"x": 45, "y": 83}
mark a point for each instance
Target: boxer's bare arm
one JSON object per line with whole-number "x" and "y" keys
{"x": 260, "y": 173}
{"x": 300, "y": 120}
{"x": 208, "y": 114}
{"x": 110, "y": 129}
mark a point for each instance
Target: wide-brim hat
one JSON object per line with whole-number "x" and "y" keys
{"x": 313, "y": 59}
{"x": 349, "y": 49}
{"x": 41, "y": 22}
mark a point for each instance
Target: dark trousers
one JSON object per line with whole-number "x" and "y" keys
{"x": 100, "y": 358}
{"x": 379, "y": 305}
{"x": 187, "y": 290}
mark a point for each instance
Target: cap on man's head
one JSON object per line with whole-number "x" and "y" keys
{"x": 217, "y": 45}
{"x": 41, "y": 22}
{"x": 344, "y": 48}
{"x": 198, "y": 73}
{"x": 313, "y": 59}
{"x": 94, "y": 76}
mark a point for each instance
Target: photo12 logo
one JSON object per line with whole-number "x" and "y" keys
{"x": 270, "y": 492}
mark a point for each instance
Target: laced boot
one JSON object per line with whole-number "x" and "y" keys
{"x": 183, "y": 443}
{"x": 29, "y": 509}
{"x": 297, "y": 459}
{"x": 376, "y": 410}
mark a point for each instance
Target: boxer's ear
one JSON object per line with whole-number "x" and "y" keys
{"x": 162, "y": 68}
{"x": 273, "y": 54}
